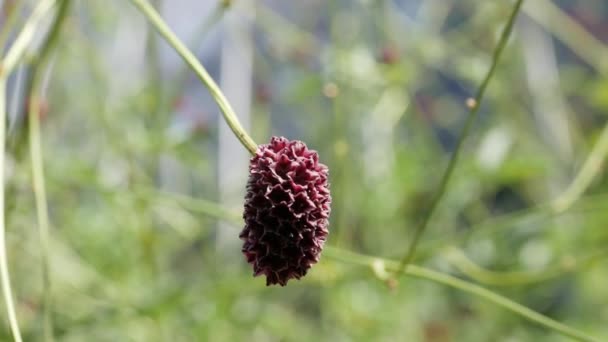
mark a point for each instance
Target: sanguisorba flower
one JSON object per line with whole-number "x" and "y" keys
{"x": 287, "y": 208}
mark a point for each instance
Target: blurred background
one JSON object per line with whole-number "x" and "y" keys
{"x": 145, "y": 181}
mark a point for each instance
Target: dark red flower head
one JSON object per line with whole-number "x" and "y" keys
{"x": 287, "y": 207}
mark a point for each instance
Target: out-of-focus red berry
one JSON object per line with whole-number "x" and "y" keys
{"x": 43, "y": 108}
{"x": 263, "y": 93}
{"x": 389, "y": 54}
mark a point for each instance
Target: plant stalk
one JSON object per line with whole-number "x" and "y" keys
{"x": 7, "y": 65}
{"x": 36, "y": 156}
{"x": 453, "y": 282}
{"x": 229, "y": 115}
{"x": 471, "y": 118}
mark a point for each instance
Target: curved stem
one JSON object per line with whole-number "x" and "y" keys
{"x": 194, "y": 204}
{"x": 25, "y": 37}
{"x": 379, "y": 267}
{"x": 179, "y": 81}
{"x": 453, "y": 282}
{"x": 590, "y": 168}
{"x": 474, "y": 109}
{"x": 231, "y": 119}
{"x": 4, "y": 273}
{"x": 498, "y": 223}
{"x": 41, "y": 209}
{"x": 570, "y": 32}
{"x": 10, "y": 20}
{"x": 39, "y": 63}
{"x": 11, "y": 60}
{"x": 459, "y": 260}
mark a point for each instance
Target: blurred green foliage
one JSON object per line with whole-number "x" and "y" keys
{"x": 382, "y": 97}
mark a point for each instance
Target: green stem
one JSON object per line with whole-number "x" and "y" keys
{"x": 39, "y": 63}
{"x": 453, "y": 282}
{"x": 411, "y": 270}
{"x": 378, "y": 265}
{"x": 17, "y": 50}
{"x": 41, "y": 210}
{"x": 459, "y": 260}
{"x": 474, "y": 109}
{"x": 231, "y": 119}
{"x": 11, "y": 60}
{"x": 4, "y": 273}
{"x": 193, "y": 204}
{"x": 569, "y": 32}
{"x": 497, "y": 224}
{"x": 10, "y": 20}
{"x": 179, "y": 82}
{"x": 591, "y": 167}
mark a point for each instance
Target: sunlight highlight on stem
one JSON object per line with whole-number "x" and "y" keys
{"x": 474, "y": 109}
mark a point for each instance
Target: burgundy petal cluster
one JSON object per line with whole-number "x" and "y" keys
{"x": 287, "y": 208}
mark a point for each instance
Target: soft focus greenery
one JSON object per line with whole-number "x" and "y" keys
{"x": 382, "y": 97}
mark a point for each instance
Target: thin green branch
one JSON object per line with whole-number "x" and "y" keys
{"x": 11, "y": 60}
{"x": 41, "y": 209}
{"x": 25, "y": 37}
{"x": 229, "y": 115}
{"x": 380, "y": 266}
{"x": 178, "y": 84}
{"x": 175, "y": 88}
{"x": 493, "y": 225}
{"x": 13, "y": 11}
{"x": 474, "y": 109}
{"x": 4, "y": 273}
{"x": 566, "y": 29}
{"x": 453, "y": 282}
{"x": 193, "y": 204}
{"x": 561, "y": 204}
{"x": 39, "y": 63}
{"x": 459, "y": 260}
{"x": 591, "y": 167}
